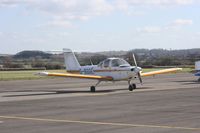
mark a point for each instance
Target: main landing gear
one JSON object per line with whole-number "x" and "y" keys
{"x": 131, "y": 86}
{"x": 93, "y": 88}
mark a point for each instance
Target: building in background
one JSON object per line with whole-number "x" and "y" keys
{"x": 197, "y": 65}
{"x": 197, "y": 68}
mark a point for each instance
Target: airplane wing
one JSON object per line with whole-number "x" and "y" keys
{"x": 160, "y": 71}
{"x": 70, "y": 75}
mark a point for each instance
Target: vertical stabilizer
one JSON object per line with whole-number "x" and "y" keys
{"x": 71, "y": 62}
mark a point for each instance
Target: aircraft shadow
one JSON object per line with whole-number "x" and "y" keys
{"x": 57, "y": 92}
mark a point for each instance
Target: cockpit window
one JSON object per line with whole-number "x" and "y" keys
{"x": 118, "y": 62}
{"x": 113, "y": 63}
{"x": 106, "y": 63}
{"x": 100, "y": 64}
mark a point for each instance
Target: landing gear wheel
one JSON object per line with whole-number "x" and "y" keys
{"x": 198, "y": 80}
{"x": 92, "y": 88}
{"x": 132, "y": 87}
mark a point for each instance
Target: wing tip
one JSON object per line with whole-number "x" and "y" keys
{"x": 42, "y": 73}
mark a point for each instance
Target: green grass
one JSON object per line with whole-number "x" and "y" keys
{"x": 28, "y": 75}
{"x": 23, "y": 75}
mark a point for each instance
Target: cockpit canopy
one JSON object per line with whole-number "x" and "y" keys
{"x": 114, "y": 62}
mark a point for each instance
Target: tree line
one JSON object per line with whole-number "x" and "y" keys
{"x": 145, "y": 58}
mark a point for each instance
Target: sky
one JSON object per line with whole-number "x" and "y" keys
{"x": 98, "y": 25}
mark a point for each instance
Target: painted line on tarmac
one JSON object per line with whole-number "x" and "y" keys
{"x": 98, "y": 123}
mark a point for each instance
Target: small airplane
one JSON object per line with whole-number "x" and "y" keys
{"x": 198, "y": 75}
{"x": 111, "y": 69}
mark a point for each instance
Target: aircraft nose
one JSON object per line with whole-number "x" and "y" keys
{"x": 138, "y": 69}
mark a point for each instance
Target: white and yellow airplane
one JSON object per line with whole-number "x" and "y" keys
{"x": 111, "y": 69}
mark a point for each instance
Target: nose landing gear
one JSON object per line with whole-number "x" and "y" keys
{"x": 131, "y": 86}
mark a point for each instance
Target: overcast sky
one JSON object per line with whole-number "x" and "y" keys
{"x": 98, "y": 25}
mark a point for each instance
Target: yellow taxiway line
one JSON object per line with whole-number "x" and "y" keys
{"x": 98, "y": 123}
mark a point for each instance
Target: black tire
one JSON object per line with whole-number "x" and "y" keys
{"x": 132, "y": 87}
{"x": 198, "y": 80}
{"x": 92, "y": 89}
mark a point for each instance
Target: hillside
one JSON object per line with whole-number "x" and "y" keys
{"x": 31, "y": 54}
{"x": 145, "y": 58}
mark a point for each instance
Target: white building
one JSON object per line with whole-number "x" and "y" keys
{"x": 197, "y": 65}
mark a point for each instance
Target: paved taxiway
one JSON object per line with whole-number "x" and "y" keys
{"x": 163, "y": 104}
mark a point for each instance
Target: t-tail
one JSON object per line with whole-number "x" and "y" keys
{"x": 71, "y": 62}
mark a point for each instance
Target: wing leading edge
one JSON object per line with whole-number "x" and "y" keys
{"x": 161, "y": 71}
{"x": 104, "y": 78}
{"x": 70, "y": 75}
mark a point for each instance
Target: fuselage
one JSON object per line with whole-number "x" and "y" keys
{"x": 116, "y": 68}
{"x": 124, "y": 73}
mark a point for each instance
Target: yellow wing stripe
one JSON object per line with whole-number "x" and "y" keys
{"x": 161, "y": 71}
{"x": 79, "y": 76}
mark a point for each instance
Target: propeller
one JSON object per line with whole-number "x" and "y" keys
{"x": 134, "y": 60}
{"x": 138, "y": 69}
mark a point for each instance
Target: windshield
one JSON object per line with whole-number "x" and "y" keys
{"x": 119, "y": 62}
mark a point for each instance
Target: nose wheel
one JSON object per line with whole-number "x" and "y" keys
{"x": 132, "y": 87}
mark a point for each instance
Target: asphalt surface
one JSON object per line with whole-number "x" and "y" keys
{"x": 163, "y": 104}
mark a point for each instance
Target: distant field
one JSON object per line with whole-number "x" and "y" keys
{"x": 28, "y": 75}
{"x": 20, "y": 75}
